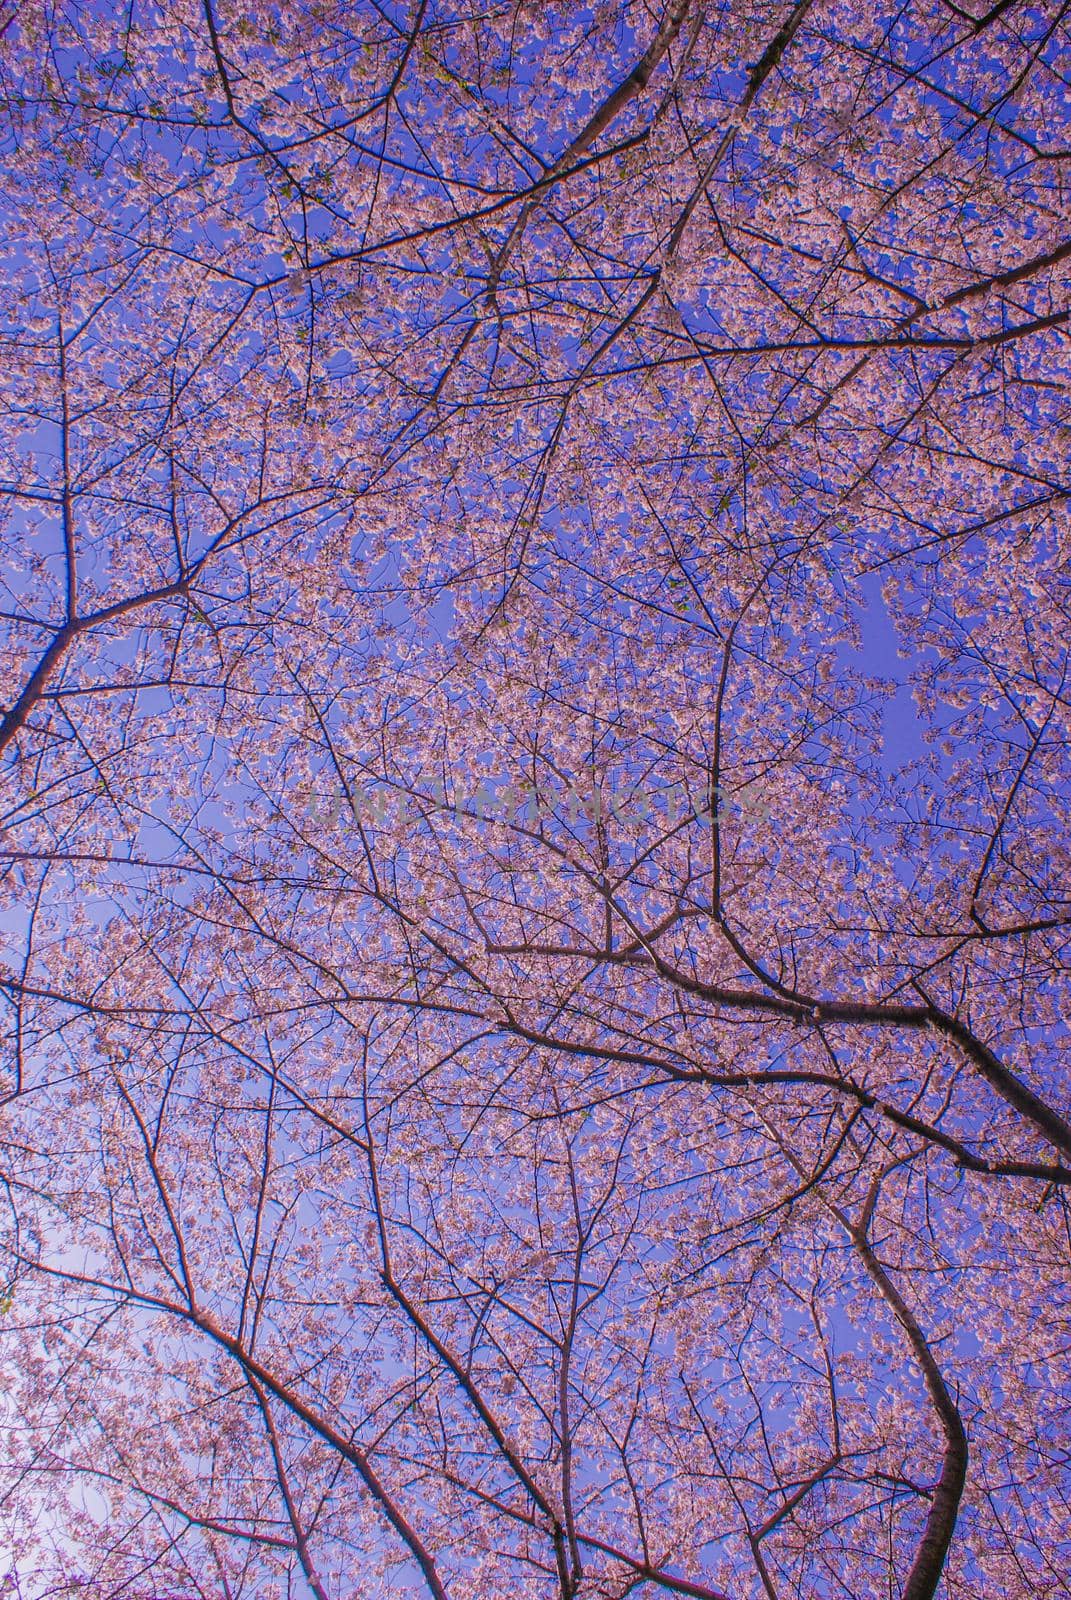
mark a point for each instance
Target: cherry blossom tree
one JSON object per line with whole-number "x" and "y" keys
{"x": 534, "y": 741}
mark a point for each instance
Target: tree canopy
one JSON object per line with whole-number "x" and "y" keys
{"x": 534, "y": 789}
